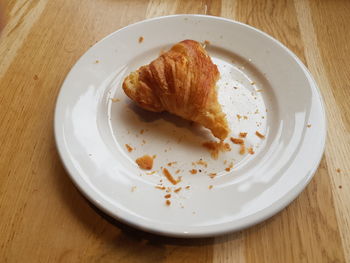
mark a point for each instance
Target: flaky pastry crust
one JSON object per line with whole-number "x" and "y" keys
{"x": 181, "y": 81}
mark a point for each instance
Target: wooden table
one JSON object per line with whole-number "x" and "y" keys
{"x": 43, "y": 218}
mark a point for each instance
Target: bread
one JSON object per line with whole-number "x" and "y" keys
{"x": 181, "y": 81}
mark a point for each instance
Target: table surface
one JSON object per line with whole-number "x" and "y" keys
{"x": 43, "y": 218}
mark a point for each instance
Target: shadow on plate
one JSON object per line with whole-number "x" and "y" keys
{"x": 165, "y": 126}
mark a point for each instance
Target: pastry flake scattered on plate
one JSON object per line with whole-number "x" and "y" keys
{"x": 181, "y": 81}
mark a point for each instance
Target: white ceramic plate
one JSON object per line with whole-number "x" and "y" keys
{"x": 261, "y": 80}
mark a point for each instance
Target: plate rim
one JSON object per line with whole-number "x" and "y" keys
{"x": 266, "y": 213}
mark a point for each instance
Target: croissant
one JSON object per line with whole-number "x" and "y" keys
{"x": 181, "y": 81}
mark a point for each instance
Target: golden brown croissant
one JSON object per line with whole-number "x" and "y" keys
{"x": 180, "y": 81}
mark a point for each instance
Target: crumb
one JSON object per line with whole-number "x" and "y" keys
{"x": 142, "y": 131}
{"x": 212, "y": 175}
{"x": 144, "y": 142}
{"x": 179, "y": 179}
{"x": 201, "y": 162}
{"x": 338, "y": 170}
{"x": 171, "y": 163}
{"x": 243, "y": 134}
{"x": 257, "y": 111}
{"x": 239, "y": 116}
{"x": 115, "y": 100}
{"x": 187, "y": 187}
{"x": 210, "y": 187}
{"x": 225, "y": 162}
{"x": 167, "y": 202}
{"x": 237, "y": 140}
{"x": 167, "y": 196}
{"x": 177, "y": 171}
{"x": 309, "y": 125}
{"x": 259, "y": 90}
{"x": 129, "y": 148}
{"x": 216, "y": 147}
{"x": 227, "y": 169}
{"x": 252, "y": 83}
{"x": 340, "y": 187}
{"x": 145, "y": 162}
{"x": 141, "y": 39}
{"x": 133, "y": 188}
{"x": 250, "y": 150}
{"x": 261, "y": 136}
{"x": 160, "y": 187}
{"x": 242, "y": 149}
{"x": 245, "y": 117}
{"x": 177, "y": 190}
{"x": 235, "y": 87}
{"x": 199, "y": 170}
{"x": 154, "y": 156}
{"x": 169, "y": 176}
{"x": 165, "y": 150}
{"x": 150, "y": 173}
{"x": 35, "y": 77}
{"x": 193, "y": 171}
{"x": 97, "y": 61}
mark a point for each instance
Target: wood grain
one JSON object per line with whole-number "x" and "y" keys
{"x": 45, "y": 219}
{"x": 338, "y": 141}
